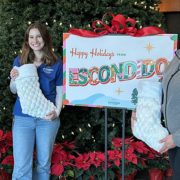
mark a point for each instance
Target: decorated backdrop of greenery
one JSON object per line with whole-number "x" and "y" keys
{"x": 85, "y": 125}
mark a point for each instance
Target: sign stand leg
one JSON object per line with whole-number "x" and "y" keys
{"x": 105, "y": 143}
{"x": 123, "y": 143}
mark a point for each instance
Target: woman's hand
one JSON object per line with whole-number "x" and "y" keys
{"x": 168, "y": 143}
{"x": 51, "y": 115}
{"x": 133, "y": 119}
{"x": 14, "y": 74}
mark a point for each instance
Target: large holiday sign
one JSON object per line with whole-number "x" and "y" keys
{"x": 105, "y": 71}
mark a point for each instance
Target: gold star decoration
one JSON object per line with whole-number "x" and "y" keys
{"x": 149, "y": 47}
{"x": 118, "y": 91}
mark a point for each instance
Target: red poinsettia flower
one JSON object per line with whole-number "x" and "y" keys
{"x": 60, "y": 159}
{"x": 3, "y": 146}
{"x": 8, "y": 160}
{"x": 69, "y": 145}
{"x": 114, "y": 157}
{"x": 152, "y": 153}
{"x": 1, "y": 135}
{"x": 8, "y": 137}
{"x": 117, "y": 142}
{"x": 131, "y": 156}
{"x": 143, "y": 161}
{"x": 57, "y": 169}
{"x": 96, "y": 158}
{"x": 83, "y": 161}
{"x": 140, "y": 147}
{"x": 57, "y": 147}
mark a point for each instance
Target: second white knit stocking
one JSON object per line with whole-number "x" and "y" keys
{"x": 148, "y": 127}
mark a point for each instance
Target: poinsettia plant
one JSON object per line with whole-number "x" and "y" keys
{"x": 71, "y": 163}
{"x": 68, "y": 162}
{"x": 6, "y": 157}
{"x": 135, "y": 152}
{"x": 157, "y": 160}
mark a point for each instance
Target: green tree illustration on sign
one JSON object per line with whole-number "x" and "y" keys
{"x": 134, "y": 98}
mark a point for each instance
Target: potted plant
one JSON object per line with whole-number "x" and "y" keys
{"x": 134, "y": 156}
{"x": 6, "y": 158}
{"x": 157, "y": 164}
{"x": 168, "y": 172}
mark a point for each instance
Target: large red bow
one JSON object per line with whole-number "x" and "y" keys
{"x": 118, "y": 26}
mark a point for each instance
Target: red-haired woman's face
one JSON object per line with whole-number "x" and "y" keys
{"x": 35, "y": 40}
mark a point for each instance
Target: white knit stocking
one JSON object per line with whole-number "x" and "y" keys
{"x": 32, "y": 100}
{"x": 148, "y": 126}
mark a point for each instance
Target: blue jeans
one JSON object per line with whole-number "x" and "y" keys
{"x": 29, "y": 132}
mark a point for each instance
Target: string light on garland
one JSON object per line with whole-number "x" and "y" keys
{"x": 159, "y": 25}
{"x": 4, "y": 108}
{"x": 113, "y": 125}
{"x": 98, "y": 23}
{"x": 72, "y": 132}
{"x": 70, "y": 25}
{"x": 92, "y": 137}
{"x": 46, "y": 24}
{"x": 80, "y": 129}
{"x": 143, "y": 2}
{"x": 62, "y": 136}
{"x": 54, "y": 20}
{"x": 151, "y": 7}
{"x": 135, "y": 3}
{"x": 60, "y": 23}
{"x": 89, "y": 125}
{"x": 106, "y": 22}
{"x": 137, "y": 21}
{"x": 29, "y": 22}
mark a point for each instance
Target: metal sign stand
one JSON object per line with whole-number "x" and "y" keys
{"x": 105, "y": 143}
{"x": 123, "y": 143}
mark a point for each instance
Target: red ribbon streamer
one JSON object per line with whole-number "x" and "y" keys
{"x": 118, "y": 26}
